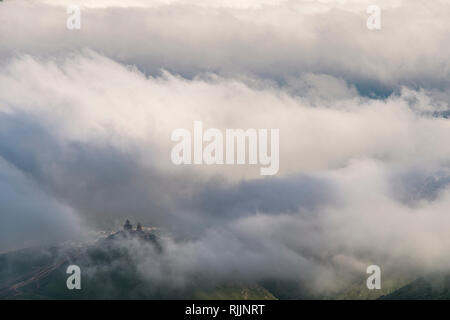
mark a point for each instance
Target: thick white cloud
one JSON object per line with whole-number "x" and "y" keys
{"x": 89, "y": 97}
{"x": 86, "y": 118}
{"x": 272, "y": 42}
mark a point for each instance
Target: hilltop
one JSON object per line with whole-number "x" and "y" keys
{"x": 114, "y": 267}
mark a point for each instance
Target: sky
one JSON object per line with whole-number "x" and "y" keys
{"x": 86, "y": 118}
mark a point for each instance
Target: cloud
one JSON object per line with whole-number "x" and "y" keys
{"x": 86, "y": 119}
{"x": 88, "y": 98}
{"x": 277, "y": 42}
{"x": 29, "y": 216}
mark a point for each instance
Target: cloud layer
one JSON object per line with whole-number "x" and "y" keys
{"x": 86, "y": 118}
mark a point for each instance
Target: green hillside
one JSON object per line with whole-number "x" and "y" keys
{"x": 435, "y": 287}
{"x": 108, "y": 272}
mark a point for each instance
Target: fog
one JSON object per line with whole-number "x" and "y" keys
{"x": 86, "y": 118}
